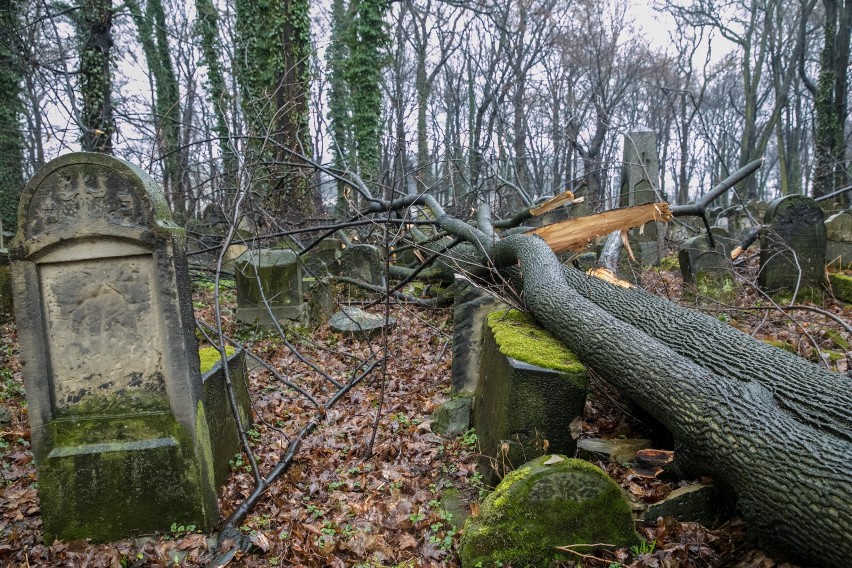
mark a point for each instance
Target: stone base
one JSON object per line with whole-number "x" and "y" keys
{"x": 111, "y": 478}
{"x": 522, "y": 411}
{"x": 284, "y": 315}
{"x": 224, "y": 436}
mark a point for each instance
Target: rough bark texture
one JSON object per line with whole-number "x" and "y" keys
{"x": 793, "y": 481}
{"x": 809, "y": 393}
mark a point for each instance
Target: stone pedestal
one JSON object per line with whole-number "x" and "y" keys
{"x": 106, "y": 330}
{"x": 530, "y": 390}
{"x": 792, "y": 246}
{"x": 269, "y": 286}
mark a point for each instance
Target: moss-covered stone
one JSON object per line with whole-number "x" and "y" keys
{"x": 551, "y": 501}
{"x": 111, "y": 477}
{"x": 520, "y": 338}
{"x": 452, "y": 418}
{"x": 210, "y": 356}
{"x": 841, "y": 286}
{"x": 521, "y": 409}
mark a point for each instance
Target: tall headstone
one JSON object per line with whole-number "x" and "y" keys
{"x": 838, "y": 232}
{"x": 792, "y": 245}
{"x": 111, "y": 368}
{"x": 640, "y": 179}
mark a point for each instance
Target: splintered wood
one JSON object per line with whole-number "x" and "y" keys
{"x": 606, "y": 275}
{"x": 554, "y": 202}
{"x": 574, "y": 234}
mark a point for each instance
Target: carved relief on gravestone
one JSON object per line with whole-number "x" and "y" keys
{"x": 111, "y": 368}
{"x": 104, "y": 335}
{"x": 79, "y": 195}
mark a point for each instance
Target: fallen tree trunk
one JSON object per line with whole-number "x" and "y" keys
{"x": 793, "y": 481}
{"x": 807, "y": 392}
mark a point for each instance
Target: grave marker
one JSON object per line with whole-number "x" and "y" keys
{"x": 640, "y": 179}
{"x": 111, "y": 371}
{"x": 792, "y": 245}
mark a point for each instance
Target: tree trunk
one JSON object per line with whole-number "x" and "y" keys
{"x": 11, "y": 109}
{"x": 94, "y": 32}
{"x": 792, "y": 480}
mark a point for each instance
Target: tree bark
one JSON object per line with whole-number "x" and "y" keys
{"x": 792, "y": 480}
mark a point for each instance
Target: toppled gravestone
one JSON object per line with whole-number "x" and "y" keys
{"x": 792, "y": 246}
{"x": 111, "y": 369}
{"x": 838, "y": 234}
{"x": 530, "y": 389}
{"x": 548, "y": 502}
{"x": 697, "y": 503}
{"x": 358, "y": 323}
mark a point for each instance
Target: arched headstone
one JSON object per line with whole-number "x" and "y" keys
{"x": 111, "y": 371}
{"x": 792, "y": 245}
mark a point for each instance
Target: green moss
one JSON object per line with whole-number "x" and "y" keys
{"x": 841, "y": 286}
{"x": 209, "y": 356}
{"x": 112, "y": 477}
{"x": 544, "y": 504}
{"x": 670, "y": 262}
{"x": 520, "y": 338}
{"x": 837, "y": 339}
{"x": 781, "y": 345}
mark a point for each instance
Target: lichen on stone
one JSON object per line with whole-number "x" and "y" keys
{"x": 520, "y": 338}
{"x": 209, "y": 356}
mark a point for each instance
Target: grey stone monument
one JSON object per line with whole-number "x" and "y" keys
{"x": 269, "y": 286}
{"x": 792, "y": 246}
{"x": 708, "y": 271}
{"x": 111, "y": 368}
{"x": 640, "y": 178}
{"x": 838, "y": 232}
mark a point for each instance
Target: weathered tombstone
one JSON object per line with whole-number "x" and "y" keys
{"x": 224, "y": 434}
{"x": 269, "y": 286}
{"x": 470, "y": 308}
{"x": 111, "y": 366}
{"x": 640, "y": 179}
{"x": 708, "y": 271}
{"x": 531, "y": 387}
{"x": 838, "y": 234}
{"x": 361, "y": 262}
{"x": 549, "y": 502}
{"x": 792, "y": 246}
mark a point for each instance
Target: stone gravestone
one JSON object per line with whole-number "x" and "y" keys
{"x": 707, "y": 271}
{"x": 269, "y": 285}
{"x": 111, "y": 368}
{"x": 640, "y": 177}
{"x": 792, "y": 245}
{"x": 838, "y": 232}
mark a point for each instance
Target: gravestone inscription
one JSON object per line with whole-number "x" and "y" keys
{"x": 111, "y": 367}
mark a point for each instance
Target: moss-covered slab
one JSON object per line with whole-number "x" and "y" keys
{"x": 841, "y": 286}
{"x": 224, "y": 435}
{"x": 530, "y": 389}
{"x": 792, "y": 246}
{"x": 269, "y": 286}
{"x": 548, "y": 502}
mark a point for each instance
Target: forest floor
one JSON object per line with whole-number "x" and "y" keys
{"x": 338, "y": 506}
